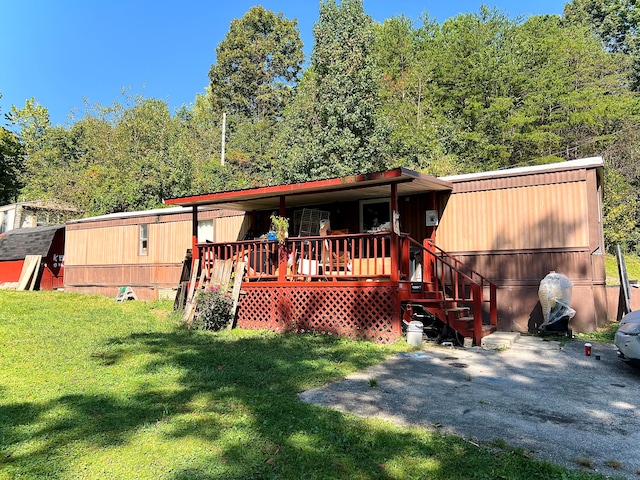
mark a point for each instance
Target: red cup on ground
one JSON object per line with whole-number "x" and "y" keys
{"x": 587, "y": 349}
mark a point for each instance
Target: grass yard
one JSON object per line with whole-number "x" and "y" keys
{"x": 632, "y": 262}
{"x": 94, "y": 389}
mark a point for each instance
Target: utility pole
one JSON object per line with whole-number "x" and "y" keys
{"x": 224, "y": 129}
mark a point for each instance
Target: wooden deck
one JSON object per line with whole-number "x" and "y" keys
{"x": 358, "y": 285}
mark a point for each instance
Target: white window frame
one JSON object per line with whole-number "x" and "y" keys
{"x": 143, "y": 237}
{"x": 363, "y": 203}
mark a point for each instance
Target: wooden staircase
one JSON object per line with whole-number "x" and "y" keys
{"x": 451, "y": 296}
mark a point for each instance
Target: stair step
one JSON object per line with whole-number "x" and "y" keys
{"x": 432, "y": 295}
{"x": 425, "y": 301}
{"x": 456, "y": 313}
{"x": 457, "y": 309}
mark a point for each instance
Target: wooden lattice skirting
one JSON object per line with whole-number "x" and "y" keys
{"x": 367, "y": 312}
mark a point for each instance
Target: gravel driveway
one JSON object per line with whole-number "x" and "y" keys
{"x": 555, "y": 402}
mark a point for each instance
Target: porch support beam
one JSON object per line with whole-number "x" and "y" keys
{"x": 282, "y": 248}
{"x": 194, "y": 233}
{"x": 395, "y": 267}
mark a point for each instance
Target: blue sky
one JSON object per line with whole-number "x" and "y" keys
{"x": 64, "y": 51}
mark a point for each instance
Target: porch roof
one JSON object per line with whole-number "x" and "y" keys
{"x": 350, "y": 188}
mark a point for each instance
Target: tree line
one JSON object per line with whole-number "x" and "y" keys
{"x": 479, "y": 91}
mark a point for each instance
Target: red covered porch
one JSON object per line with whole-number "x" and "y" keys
{"x": 378, "y": 266}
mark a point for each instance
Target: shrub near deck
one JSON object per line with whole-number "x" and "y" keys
{"x": 91, "y": 388}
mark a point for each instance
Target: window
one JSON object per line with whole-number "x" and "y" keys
{"x": 7, "y": 219}
{"x": 205, "y": 231}
{"x": 375, "y": 215}
{"x": 144, "y": 239}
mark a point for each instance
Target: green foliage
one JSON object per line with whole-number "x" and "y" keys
{"x": 620, "y": 212}
{"x": 280, "y": 225}
{"x": 335, "y": 129}
{"x": 10, "y": 165}
{"x": 615, "y": 23}
{"x": 213, "y": 308}
{"x": 93, "y": 388}
{"x": 258, "y": 64}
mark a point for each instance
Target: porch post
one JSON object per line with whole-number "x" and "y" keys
{"x": 433, "y": 205}
{"x": 282, "y": 249}
{"x": 395, "y": 274}
{"x": 194, "y": 235}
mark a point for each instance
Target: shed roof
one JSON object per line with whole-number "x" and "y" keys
{"x": 350, "y": 188}
{"x": 17, "y": 244}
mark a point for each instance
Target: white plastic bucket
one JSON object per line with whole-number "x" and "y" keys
{"x": 414, "y": 333}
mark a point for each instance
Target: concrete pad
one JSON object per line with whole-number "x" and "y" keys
{"x": 499, "y": 340}
{"x": 540, "y": 395}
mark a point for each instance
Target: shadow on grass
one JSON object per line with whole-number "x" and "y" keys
{"x": 240, "y": 394}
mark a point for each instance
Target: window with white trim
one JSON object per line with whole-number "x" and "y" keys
{"x": 144, "y": 240}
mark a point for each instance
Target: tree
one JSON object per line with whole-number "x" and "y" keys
{"x": 258, "y": 64}
{"x": 334, "y": 128}
{"x": 10, "y": 163}
{"x": 620, "y": 212}
{"x": 46, "y": 150}
{"x": 407, "y": 57}
{"x": 615, "y": 23}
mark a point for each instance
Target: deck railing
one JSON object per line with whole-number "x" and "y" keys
{"x": 334, "y": 257}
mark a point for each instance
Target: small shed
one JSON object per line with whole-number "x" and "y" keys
{"x": 48, "y": 242}
{"x": 144, "y": 250}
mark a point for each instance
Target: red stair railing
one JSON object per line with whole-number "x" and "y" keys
{"x": 455, "y": 281}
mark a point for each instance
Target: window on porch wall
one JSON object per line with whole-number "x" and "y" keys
{"x": 374, "y": 214}
{"x": 205, "y": 231}
{"x": 144, "y": 240}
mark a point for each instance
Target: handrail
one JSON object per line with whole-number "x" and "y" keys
{"x": 346, "y": 256}
{"x": 457, "y": 281}
{"x": 357, "y": 257}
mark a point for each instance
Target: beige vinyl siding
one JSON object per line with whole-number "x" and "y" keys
{"x": 230, "y": 229}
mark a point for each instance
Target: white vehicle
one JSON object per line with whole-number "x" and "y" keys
{"x": 628, "y": 337}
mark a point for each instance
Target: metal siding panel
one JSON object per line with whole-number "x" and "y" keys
{"x": 544, "y": 216}
{"x": 228, "y": 229}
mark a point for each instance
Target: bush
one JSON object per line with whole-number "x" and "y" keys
{"x": 213, "y": 309}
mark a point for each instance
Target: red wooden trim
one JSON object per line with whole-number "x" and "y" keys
{"x": 195, "y": 253}
{"x": 398, "y": 175}
{"x": 289, "y": 188}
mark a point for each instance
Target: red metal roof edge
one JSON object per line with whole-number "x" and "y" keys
{"x": 277, "y": 190}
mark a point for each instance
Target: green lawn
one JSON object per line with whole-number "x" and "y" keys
{"x": 632, "y": 262}
{"x": 94, "y": 389}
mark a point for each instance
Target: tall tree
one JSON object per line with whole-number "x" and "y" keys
{"x": 258, "y": 64}
{"x": 335, "y": 127}
{"x": 408, "y": 57}
{"x": 46, "y": 149}
{"x": 616, "y": 23}
{"x": 10, "y": 164}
